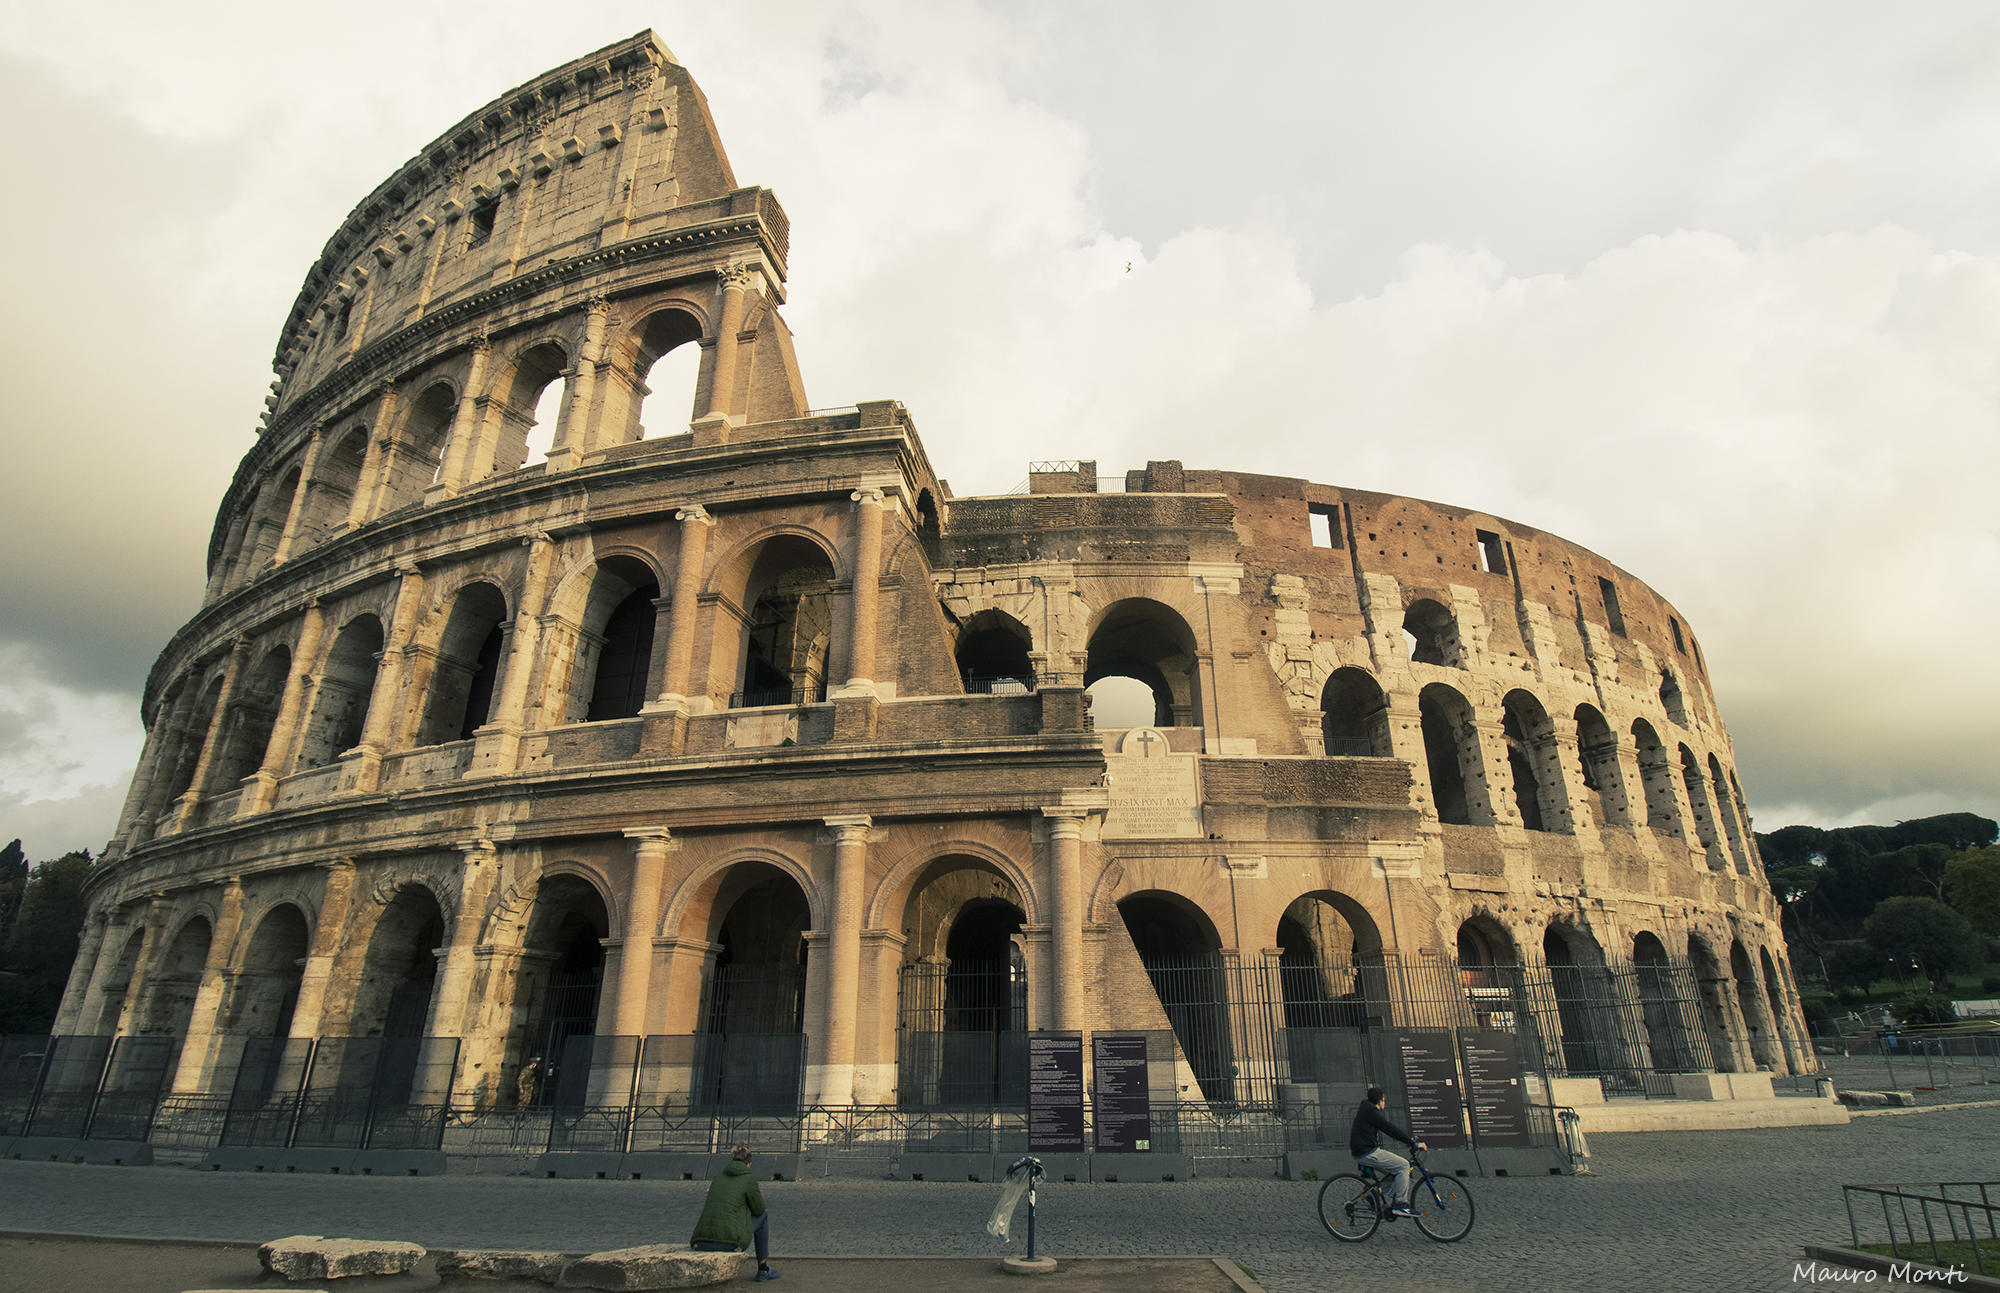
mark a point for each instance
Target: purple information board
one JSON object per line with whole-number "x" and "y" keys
{"x": 1493, "y": 1088}
{"x": 1055, "y": 1093}
{"x": 1430, "y": 1087}
{"x": 1124, "y": 1114}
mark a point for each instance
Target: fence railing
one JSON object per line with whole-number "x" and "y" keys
{"x": 1966, "y": 1221}
{"x": 778, "y": 696}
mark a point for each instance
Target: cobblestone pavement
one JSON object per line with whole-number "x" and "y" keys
{"x": 1661, "y": 1210}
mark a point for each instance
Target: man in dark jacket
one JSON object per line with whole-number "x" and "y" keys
{"x": 1363, "y": 1141}
{"x": 734, "y": 1217}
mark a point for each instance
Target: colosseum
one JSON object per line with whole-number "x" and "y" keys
{"x": 541, "y": 751}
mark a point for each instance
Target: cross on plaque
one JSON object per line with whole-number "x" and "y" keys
{"x": 1147, "y": 740}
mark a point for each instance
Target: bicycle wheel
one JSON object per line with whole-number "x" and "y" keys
{"x": 1348, "y": 1208}
{"x": 1444, "y": 1207}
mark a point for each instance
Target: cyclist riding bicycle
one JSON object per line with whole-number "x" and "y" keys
{"x": 1363, "y": 1141}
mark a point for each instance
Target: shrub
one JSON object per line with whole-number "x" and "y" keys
{"x": 1924, "y": 1008}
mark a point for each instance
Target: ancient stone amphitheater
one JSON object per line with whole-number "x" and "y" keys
{"x": 724, "y": 745}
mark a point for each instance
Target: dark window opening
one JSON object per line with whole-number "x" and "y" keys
{"x": 1612, "y": 614}
{"x": 1697, "y": 660}
{"x": 479, "y": 694}
{"x": 340, "y": 324}
{"x": 1492, "y": 557}
{"x": 625, "y": 659}
{"x": 1680, "y": 644}
{"x": 483, "y": 216}
{"x": 1325, "y": 521}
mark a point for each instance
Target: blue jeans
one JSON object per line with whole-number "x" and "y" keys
{"x": 1386, "y": 1163}
{"x": 760, "y": 1230}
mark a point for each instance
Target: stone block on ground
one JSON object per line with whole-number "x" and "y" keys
{"x": 1865, "y": 1098}
{"x": 653, "y": 1266}
{"x": 474, "y": 1264}
{"x": 316, "y": 1257}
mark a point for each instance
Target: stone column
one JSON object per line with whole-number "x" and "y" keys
{"x": 142, "y": 968}
{"x": 141, "y": 787}
{"x": 578, "y": 420}
{"x": 450, "y": 1006}
{"x": 369, "y": 485}
{"x": 308, "y": 464}
{"x": 219, "y": 578}
{"x": 467, "y": 426}
{"x": 862, "y": 606}
{"x": 665, "y": 730}
{"x": 843, "y": 980}
{"x": 329, "y": 931}
{"x": 496, "y": 746}
{"x": 650, "y": 846}
{"x": 90, "y": 944}
{"x": 385, "y": 701}
{"x": 110, "y": 952}
{"x": 160, "y": 778}
{"x": 260, "y": 788}
{"x": 713, "y": 427}
{"x": 211, "y": 998}
{"x": 1482, "y": 758}
{"x": 1209, "y": 702}
{"x": 1066, "y": 914}
{"x": 197, "y": 789}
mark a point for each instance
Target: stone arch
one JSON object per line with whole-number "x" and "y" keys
{"x": 395, "y": 979}
{"x": 1778, "y": 992}
{"x": 336, "y": 479}
{"x": 173, "y": 987}
{"x": 1329, "y": 962}
{"x": 346, "y": 683}
{"x": 516, "y": 411}
{"x": 515, "y": 906}
{"x": 909, "y": 872}
{"x": 1602, "y": 778}
{"x": 1354, "y": 715}
{"x": 695, "y": 896}
{"x": 1430, "y": 634}
{"x": 112, "y": 1007}
{"x": 1696, "y": 785}
{"x": 1671, "y": 698}
{"x": 782, "y": 579}
{"x": 992, "y": 653}
{"x": 1725, "y": 808}
{"x": 1709, "y": 986}
{"x": 1180, "y": 947}
{"x": 417, "y": 446}
{"x": 1591, "y": 1041}
{"x": 1751, "y": 1005}
{"x": 663, "y": 330}
{"x": 1533, "y": 762}
{"x": 608, "y": 617}
{"x": 1656, "y": 774}
{"x": 253, "y": 712}
{"x": 1670, "y": 1034}
{"x": 1451, "y": 755}
{"x": 1489, "y": 972}
{"x": 467, "y": 644}
{"x": 748, "y": 912}
{"x": 187, "y": 756}
{"x": 266, "y": 987}
{"x": 1151, "y": 643}
{"x": 559, "y": 990}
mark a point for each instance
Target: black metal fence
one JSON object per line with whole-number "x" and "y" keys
{"x": 962, "y": 1039}
{"x": 1945, "y": 1224}
{"x": 340, "y": 1092}
{"x": 96, "y": 1088}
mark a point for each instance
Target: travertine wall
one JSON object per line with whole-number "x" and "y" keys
{"x": 393, "y": 784}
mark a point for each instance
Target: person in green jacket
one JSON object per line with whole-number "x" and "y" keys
{"x": 734, "y": 1216}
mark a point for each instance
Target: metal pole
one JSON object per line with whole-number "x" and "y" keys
{"x": 1031, "y": 1215}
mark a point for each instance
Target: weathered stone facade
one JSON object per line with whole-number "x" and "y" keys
{"x": 455, "y": 732}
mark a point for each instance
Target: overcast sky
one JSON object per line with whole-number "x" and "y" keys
{"x": 1711, "y": 289}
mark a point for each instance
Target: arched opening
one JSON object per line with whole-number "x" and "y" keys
{"x": 335, "y": 481}
{"x": 274, "y": 506}
{"x": 1586, "y": 1012}
{"x": 567, "y": 927}
{"x": 1354, "y": 716}
{"x": 393, "y": 997}
{"x": 253, "y": 711}
{"x": 927, "y": 514}
{"x": 753, "y": 1008}
{"x": 417, "y": 452}
{"x": 992, "y": 655}
{"x": 1530, "y": 741}
{"x": 459, "y": 698}
{"x": 267, "y": 987}
{"x": 117, "y": 983}
{"x": 1430, "y": 633}
{"x": 666, "y": 368}
{"x": 1725, "y": 808}
{"x": 530, "y": 410}
{"x": 624, "y": 662}
{"x": 962, "y": 989}
{"x": 790, "y": 629}
{"x": 1603, "y": 783}
{"x": 1752, "y": 1008}
{"x": 340, "y": 703}
{"x": 1781, "y": 1017}
{"x": 178, "y": 980}
{"x": 1671, "y": 1034}
{"x": 193, "y": 738}
{"x": 1671, "y": 699}
{"x": 1704, "y": 811}
{"x": 1657, "y": 776}
{"x": 1446, "y": 719}
{"x": 1182, "y": 954}
{"x": 1489, "y": 970}
{"x": 1329, "y": 964}
{"x": 1714, "y": 1010}
{"x": 1148, "y": 642}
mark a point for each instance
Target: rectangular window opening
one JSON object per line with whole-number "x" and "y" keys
{"x": 1325, "y": 520}
{"x": 1680, "y": 643}
{"x": 483, "y": 216}
{"x": 1492, "y": 557}
{"x": 1611, "y": 611}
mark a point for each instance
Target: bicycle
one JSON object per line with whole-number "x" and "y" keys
{"x": 1351, "y": 1206}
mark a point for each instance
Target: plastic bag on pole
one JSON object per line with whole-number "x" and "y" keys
{"x": 1019, "y": 1177}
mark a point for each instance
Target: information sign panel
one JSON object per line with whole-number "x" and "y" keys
{"x": 1493, "y": 1088}
{"x": 1123, "y": 1114}
{"x": 1430, "y": 1087}
{"x": 1055, "y": 1093}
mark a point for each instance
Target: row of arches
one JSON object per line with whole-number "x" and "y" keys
{"x": 478, "y": 418}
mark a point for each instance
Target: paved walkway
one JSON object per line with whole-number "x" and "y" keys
{"x": 1662, "y": 1210}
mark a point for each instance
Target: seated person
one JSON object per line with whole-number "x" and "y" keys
{"x": 1363, "y": 1141}
{"x": 734, "y": 1216}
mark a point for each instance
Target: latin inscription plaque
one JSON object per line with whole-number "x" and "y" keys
{"x": 1154, "y": 794}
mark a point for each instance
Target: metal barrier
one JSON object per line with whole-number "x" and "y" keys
{"x": 1964, "y": 1219}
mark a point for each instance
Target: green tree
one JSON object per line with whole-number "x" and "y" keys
{"x": 42, "y": 944}
{"x": 1926, "y": 931}
{"x": 13, "y": 879}
{"x": 1972, "y": 879}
